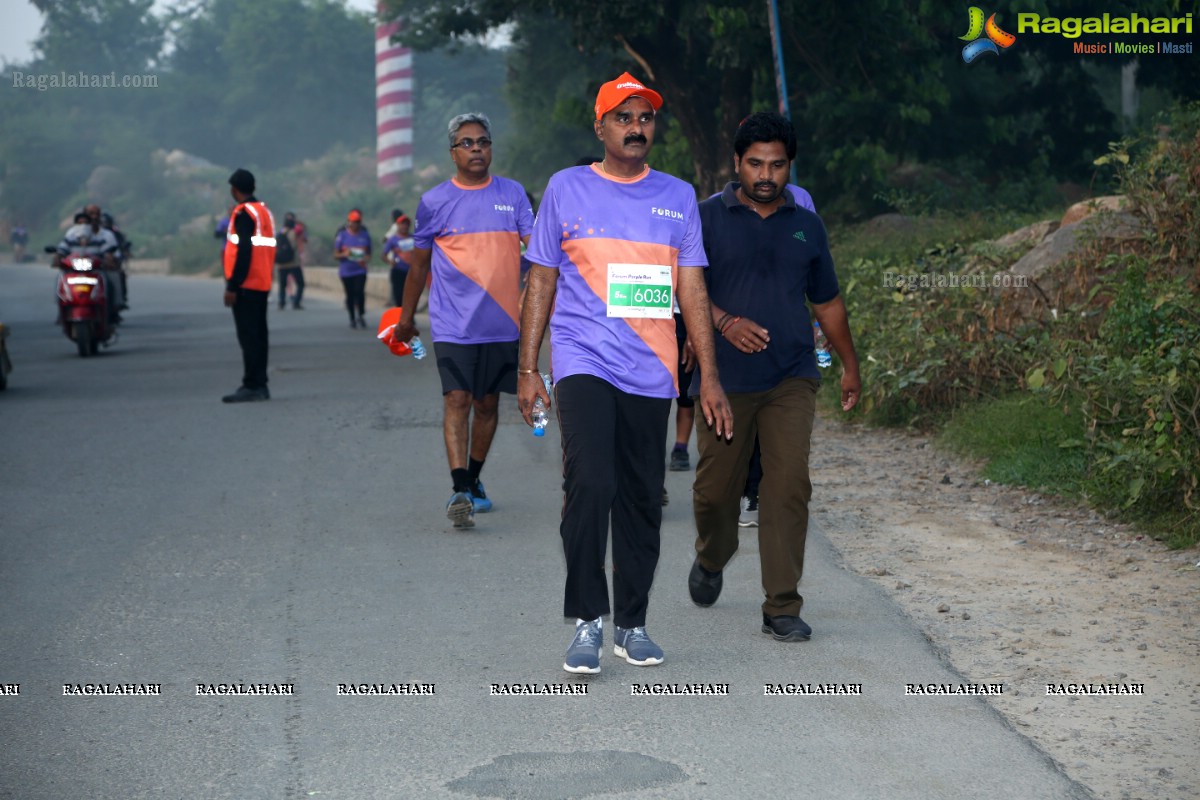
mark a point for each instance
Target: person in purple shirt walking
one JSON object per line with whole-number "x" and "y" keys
{"x": 352, "y": 249}
{"x": 613, "y": 246}
{"x": 469, "y": 232}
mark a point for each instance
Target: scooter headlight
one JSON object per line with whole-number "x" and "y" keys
{"x": 81, "y": 264}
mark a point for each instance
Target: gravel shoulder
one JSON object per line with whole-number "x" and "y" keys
{"x": 1027, "y": 590}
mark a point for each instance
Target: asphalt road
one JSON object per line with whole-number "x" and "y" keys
{"x": 150, "y": 534}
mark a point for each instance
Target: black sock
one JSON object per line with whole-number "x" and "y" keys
{"x": 462, "y": 480}
{"x": 682, "y": 447}
{"x": 474, "y": 468}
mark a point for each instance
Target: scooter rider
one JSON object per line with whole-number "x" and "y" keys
{"x": 88, "y": 237}
{"x": 124, "y": 248}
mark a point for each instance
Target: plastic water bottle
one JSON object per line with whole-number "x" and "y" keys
{"x": 418, "y": 349}
{"x": 539, "y": 410}
{"x": 821, "y": 345}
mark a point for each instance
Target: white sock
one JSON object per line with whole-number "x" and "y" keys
{"x": 598, "y": 620}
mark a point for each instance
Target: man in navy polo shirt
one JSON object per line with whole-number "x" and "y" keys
{"x": 767, "y": 256}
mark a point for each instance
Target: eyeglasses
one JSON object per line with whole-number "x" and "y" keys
{"x": 468, "y": 144}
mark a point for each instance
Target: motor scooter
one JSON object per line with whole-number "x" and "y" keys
{"x": 83, "y": 300}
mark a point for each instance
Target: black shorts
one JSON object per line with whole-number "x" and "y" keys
{"x": 480, "y": 369}
{"x": 685, "y": 399}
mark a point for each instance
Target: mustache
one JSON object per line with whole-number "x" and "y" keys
{"x": 635, "y": 137}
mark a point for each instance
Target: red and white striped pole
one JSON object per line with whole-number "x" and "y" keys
{"x": 393, "y": 106}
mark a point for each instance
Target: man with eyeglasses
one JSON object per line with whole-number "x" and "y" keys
{"x": 614, "y": 244}
{"x": 470, "y": 230}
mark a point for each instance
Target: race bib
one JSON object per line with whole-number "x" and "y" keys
{"x": 640, "y": 290}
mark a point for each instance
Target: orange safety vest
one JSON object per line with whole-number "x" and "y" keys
{"x": 262, "y": 257}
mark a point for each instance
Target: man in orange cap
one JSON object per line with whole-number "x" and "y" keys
{"x": 614, "y": 245}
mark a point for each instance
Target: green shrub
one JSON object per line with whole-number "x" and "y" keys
{"x": 1027, "y": 441}
{"x": 1112, "y": 409}
{"x": 1140, "y": 377}
{"x": 925, "y": 351}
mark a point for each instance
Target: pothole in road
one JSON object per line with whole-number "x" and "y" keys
{"x": 549, "y": 776}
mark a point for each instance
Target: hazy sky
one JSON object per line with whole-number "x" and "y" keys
{"x": 22, "y": 23}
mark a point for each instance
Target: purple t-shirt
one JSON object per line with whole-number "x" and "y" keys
{"x": 401, "y": 248}
{"x": 475, "y": 234}
{"x": 348, "y": 268}
{"x": 589, "y": 220}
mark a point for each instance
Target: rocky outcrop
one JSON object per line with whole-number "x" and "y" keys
{"x": 1086, "y": 208}
{"x": 1030, "y": 235}
{"x": 1055, "y": 249}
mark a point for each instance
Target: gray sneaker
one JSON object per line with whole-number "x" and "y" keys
{"x": 583, "y": 656}
{"x": 634, "y": 645}
{"x": 749, "y": 516}
{"x": 460, "y": 510}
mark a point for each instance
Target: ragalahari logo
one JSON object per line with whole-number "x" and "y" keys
{"x": 995, "y": 42}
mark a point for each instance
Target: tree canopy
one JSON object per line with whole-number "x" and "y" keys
{"x": 887, "y": 113}
{"x": 883, "y": 104}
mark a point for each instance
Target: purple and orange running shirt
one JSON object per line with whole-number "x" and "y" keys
{"x": 589, "y": 220}
{"x": 475, "y": 234}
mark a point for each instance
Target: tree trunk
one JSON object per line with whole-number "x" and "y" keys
{"x": 708, "y": 119}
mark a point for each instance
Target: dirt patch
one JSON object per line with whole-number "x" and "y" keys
{"x": 1029, "y": 591}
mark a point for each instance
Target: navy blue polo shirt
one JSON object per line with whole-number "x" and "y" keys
{"x": 765, "y": 270}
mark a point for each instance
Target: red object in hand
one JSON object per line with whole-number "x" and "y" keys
{"x": 387, "y": 333}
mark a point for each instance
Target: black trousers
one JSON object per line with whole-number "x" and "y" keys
{"x": 297, "y": 275}
{"x": 356, "y": 295}
{"x": 612, "y": 470}
{"x": 398, "y": 277}
{"x": 250, "y": 317}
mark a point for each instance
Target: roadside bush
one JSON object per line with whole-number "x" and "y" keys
{"x": 1115, "y": 353}
{"x": 1140, "y": 378}
{"x": 927, "y": 349}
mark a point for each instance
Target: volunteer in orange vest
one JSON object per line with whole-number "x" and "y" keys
{"x": 249, "y": 271}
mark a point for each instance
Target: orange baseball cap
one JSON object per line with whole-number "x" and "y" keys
{"x": 615, "y": 92}
{"x": 354, "y": 216}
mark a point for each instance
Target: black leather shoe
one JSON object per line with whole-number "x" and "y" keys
{"x": 786, "y": 629}
{"x": 704, "y": 586}
{"x": 244, "y": 395}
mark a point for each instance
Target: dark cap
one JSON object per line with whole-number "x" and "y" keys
{"x": 242, "y": 180}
